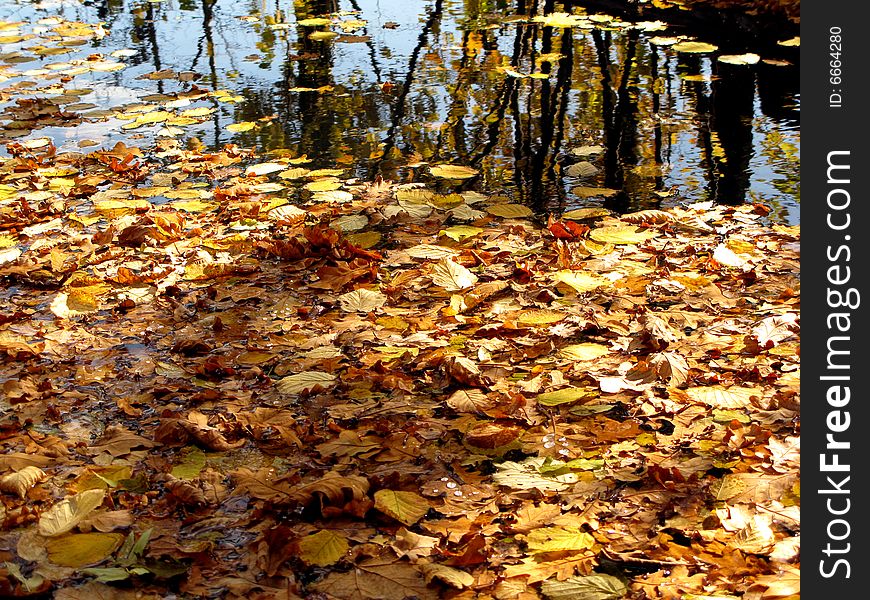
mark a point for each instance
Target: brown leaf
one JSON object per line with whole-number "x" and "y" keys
{"x": 180, "y": 431}
{"x": 21, "y": 481}
{"x": 379, "y": 578}
{"x": 119, "y": 441}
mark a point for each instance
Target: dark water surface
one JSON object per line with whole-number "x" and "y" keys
{"x": 407, "y": 81}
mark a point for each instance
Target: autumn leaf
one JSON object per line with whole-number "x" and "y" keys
{"x": 565, "y": 396}
{"x": 69, "y": 512}
{"x": 509, "y": 211}
{"x": 405, "y": 507}
{"x": 378, "y": 578}
{"x": 452, "y": 171}
{"x": 82, "y": 549}
{"x": 362, "y": 300}
{"x": 21, "y": 481}
{"x": 558, "y": 539}
{"x": 323, "y": 548}
{"x": 591, "y": 587}
{"x": 452, "y": 276}
{"x": 305, "y": 382}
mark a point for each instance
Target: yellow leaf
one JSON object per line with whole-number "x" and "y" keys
{"x": 405, "y": 507}
{"x": 719, "y": 396}
{"x": 452, "y": 276}
{"x": 69, "y": 512}
{"x": 240, "y": 127}
{"x": 540, "y": 317}
{"x": 82, "y": 549}
{"x": 323, "y": 548}
{"x": 452, "y": 171}
{"x": 326, "y": 184}
{"x": 365, "y": 240}
{"x": 586, "y": 213}
{"x": 201, "y": 111}
{"x": 460, "y": 232}
{"x": 307, "y": 380}
{"x": 694, "y": 47}
{"x": 264, "y": 169}
{"x": 581, "y": 282}
{"x": 558, "y": 539}
{"x": 584, "y": 351}
{"x": 621, "y": 234}
{"x": 509, "y": 211}
{"x": 565, "y": 396}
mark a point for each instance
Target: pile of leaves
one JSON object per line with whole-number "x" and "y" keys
{"x": 228, "y": 374}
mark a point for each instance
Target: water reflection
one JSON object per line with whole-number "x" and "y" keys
{"x": 476, "y": 83}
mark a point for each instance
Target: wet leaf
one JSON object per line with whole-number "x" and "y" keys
{"x": 69, "y": 512}
{"x": 405, "y": 507}
{"x": 306, "y": 381}
{"x": 452, "y": 171}
{"x": 509, "y": 211}
{"x": 691, "y": 47}
{"x": 82, "y": 549}
{"x": 323, "y": 548}
{"x": 739, "y": 59}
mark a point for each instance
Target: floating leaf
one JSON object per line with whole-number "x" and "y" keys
{"x": 509, "y": 211}
{"x": 561, "y": 20}
{"x": 307, "y": 380}
{"x": 452, "y": 276}
{"x": 323, "y": 548}
{"x": 405, "y": 507}
{"x": 739, "y": 59}
{"x": 690, "y": 47}
{"x": 264, "y": 169}
{"x": 581, "y": 169}
{"x": 586, "y": 213}
{"x": 69, "y": 512}
{"x": 453, "y": 171}
{"x": 240, "y": 127}
{"x": 362, "y": 300}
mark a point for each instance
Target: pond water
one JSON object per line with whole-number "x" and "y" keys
{"x": 605, "y": 112}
